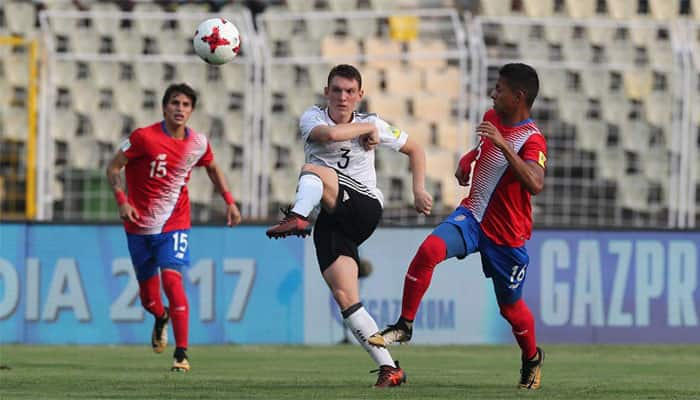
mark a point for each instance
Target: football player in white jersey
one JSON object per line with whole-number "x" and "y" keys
{"x": 339, "y": 175}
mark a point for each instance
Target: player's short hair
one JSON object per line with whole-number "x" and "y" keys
{"x": 523, "y": 77}
{"x": 346, "y": 71}
{"x": 181, "y": 88}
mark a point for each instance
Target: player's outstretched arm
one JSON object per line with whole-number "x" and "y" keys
{"x": 422, "y": 200}
{"x": 341, "y": 132}
{"x": 233, "y": 215}
{"x": 126, "y": 211}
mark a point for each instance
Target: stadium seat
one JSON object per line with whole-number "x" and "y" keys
{"x": 20, "y": 17}
{"x": 277, "y": 29}
{"x": 622, "y": 9}
{"x": 495, "y": 8}
{"x": 200, "y": 121}
{"x": 127, "y": 97}
{"x": 15, "y": 123}
{"x": 538, "y": 8}
{"x": 82, "y": 153}
{"x": 342, "y": 5}
{"x": 404, "y": 81}
{"x": 658, "y": 108}
{"x": 84, "y": 96}
{"x": 635, "y": 136}
{"x": 427, "y": 54}
{"x": 317, "y": 29}
{"x": 633, "y": 192}
{"x": 16, "y": 68}
{"x": 554, "y": 85}
{"x": 234, "y": 127}
{"x": 360, "y": 28}
{"x": 335, "y": 49}
{"x": 447, "y": 136}
{"x": 199, "y": 187}
{"x": 611, "y": 162}
{"x": 591, "y": 134}
{"x": 193, "y": 73}
{"x": 571, "y": 107}
{"x": 638, "y": 83}
{"x": 417, "y": 129}
{"x": 129, "y": 42}
{"x": 372, "y": 79}
{"x": 446, "y": 81}
{"x": 282, "y": 78}
{"x": 282, "y": 130}
{"x": 109, "y": 128}
{"x": 235, "y": 77}
{"x": 664, "y": 10}
{"x": 300, "y": 5}
{"x": 104, "y": 73}
{"x": 656, "y": 164}
{"x": 104, "y": 24}
{"x": 382, "y": 53}
{"x": 432, "y": 107}
{"x": 63, "y": 125}
{"x": 580, "y": 8}
{"x": 439, "y": 162}
{"x": 303, "y": 98}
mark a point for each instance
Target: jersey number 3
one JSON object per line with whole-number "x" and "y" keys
{"x": 158, "y": 169}
{"x": 342, "y": 164}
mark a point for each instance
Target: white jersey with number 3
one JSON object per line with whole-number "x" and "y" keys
{"x": 348, "y": 156}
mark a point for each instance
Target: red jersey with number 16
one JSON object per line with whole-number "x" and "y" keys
{"x": 495, "y": 196}
{"x": 157, "y": 172}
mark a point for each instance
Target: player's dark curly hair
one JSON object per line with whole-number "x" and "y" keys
{"x": 346, "y": 71}
{"x": 523, "y": 77}
{"x": 181, "y": 88}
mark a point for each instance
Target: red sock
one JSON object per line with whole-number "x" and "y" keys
{"x": 179, "y": 310}
{"x": 419, "y": 274}
{"x": 520, "y": 318}
{"x": 149, "y": 290}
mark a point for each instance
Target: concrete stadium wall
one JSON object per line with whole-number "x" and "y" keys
{"x": 73, "y": 284}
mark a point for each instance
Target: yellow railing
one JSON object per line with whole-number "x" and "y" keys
{"x": 32, "y": 89}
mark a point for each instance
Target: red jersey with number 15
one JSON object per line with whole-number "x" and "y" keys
{"x": 495, "y": 196}
{"x": 157, "y": 172}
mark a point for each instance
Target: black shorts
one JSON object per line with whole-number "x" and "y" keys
{"x": 356, "y": 215}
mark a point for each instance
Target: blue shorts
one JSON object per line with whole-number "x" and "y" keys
{"x": 505, "y": 265}
{"x": 163, "y": 250}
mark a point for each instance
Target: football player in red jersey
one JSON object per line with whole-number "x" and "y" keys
{"x": 501, "y": 173}
{"x": 155, "y": 208}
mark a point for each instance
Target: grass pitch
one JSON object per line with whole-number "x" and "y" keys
{"x": 341, "y": 372}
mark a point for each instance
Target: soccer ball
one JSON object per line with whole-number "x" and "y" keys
{"x": 217, "y": 41}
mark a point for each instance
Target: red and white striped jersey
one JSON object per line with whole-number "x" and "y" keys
{"x": 157, "y": 172}
{"x": 495, "y": 196}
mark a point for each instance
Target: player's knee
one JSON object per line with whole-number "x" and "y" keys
{"x": 431, "y": 251}
{"x": 343, "y": 298}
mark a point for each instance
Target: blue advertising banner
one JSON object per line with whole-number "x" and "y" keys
{"x": 617, "y": 287}
{"x": 65, "y": 284}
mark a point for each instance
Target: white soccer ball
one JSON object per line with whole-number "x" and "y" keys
{"x": 217, "y": 41}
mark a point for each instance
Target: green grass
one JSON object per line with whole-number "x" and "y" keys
{"x": 341, "y": 372}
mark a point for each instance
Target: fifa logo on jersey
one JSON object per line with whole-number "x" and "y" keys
{"x": 396, "y": 132}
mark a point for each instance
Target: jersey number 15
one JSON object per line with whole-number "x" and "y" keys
{"x": 158, "y": 169}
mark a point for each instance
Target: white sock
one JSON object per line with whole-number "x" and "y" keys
{"x": 362, "y": 325}
{"x": 309, "y": 193}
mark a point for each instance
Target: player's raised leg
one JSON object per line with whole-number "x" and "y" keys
{"x": 316, "y": 184}
{"x": 446, "y": 241}
{"x": 341, "y": 277}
